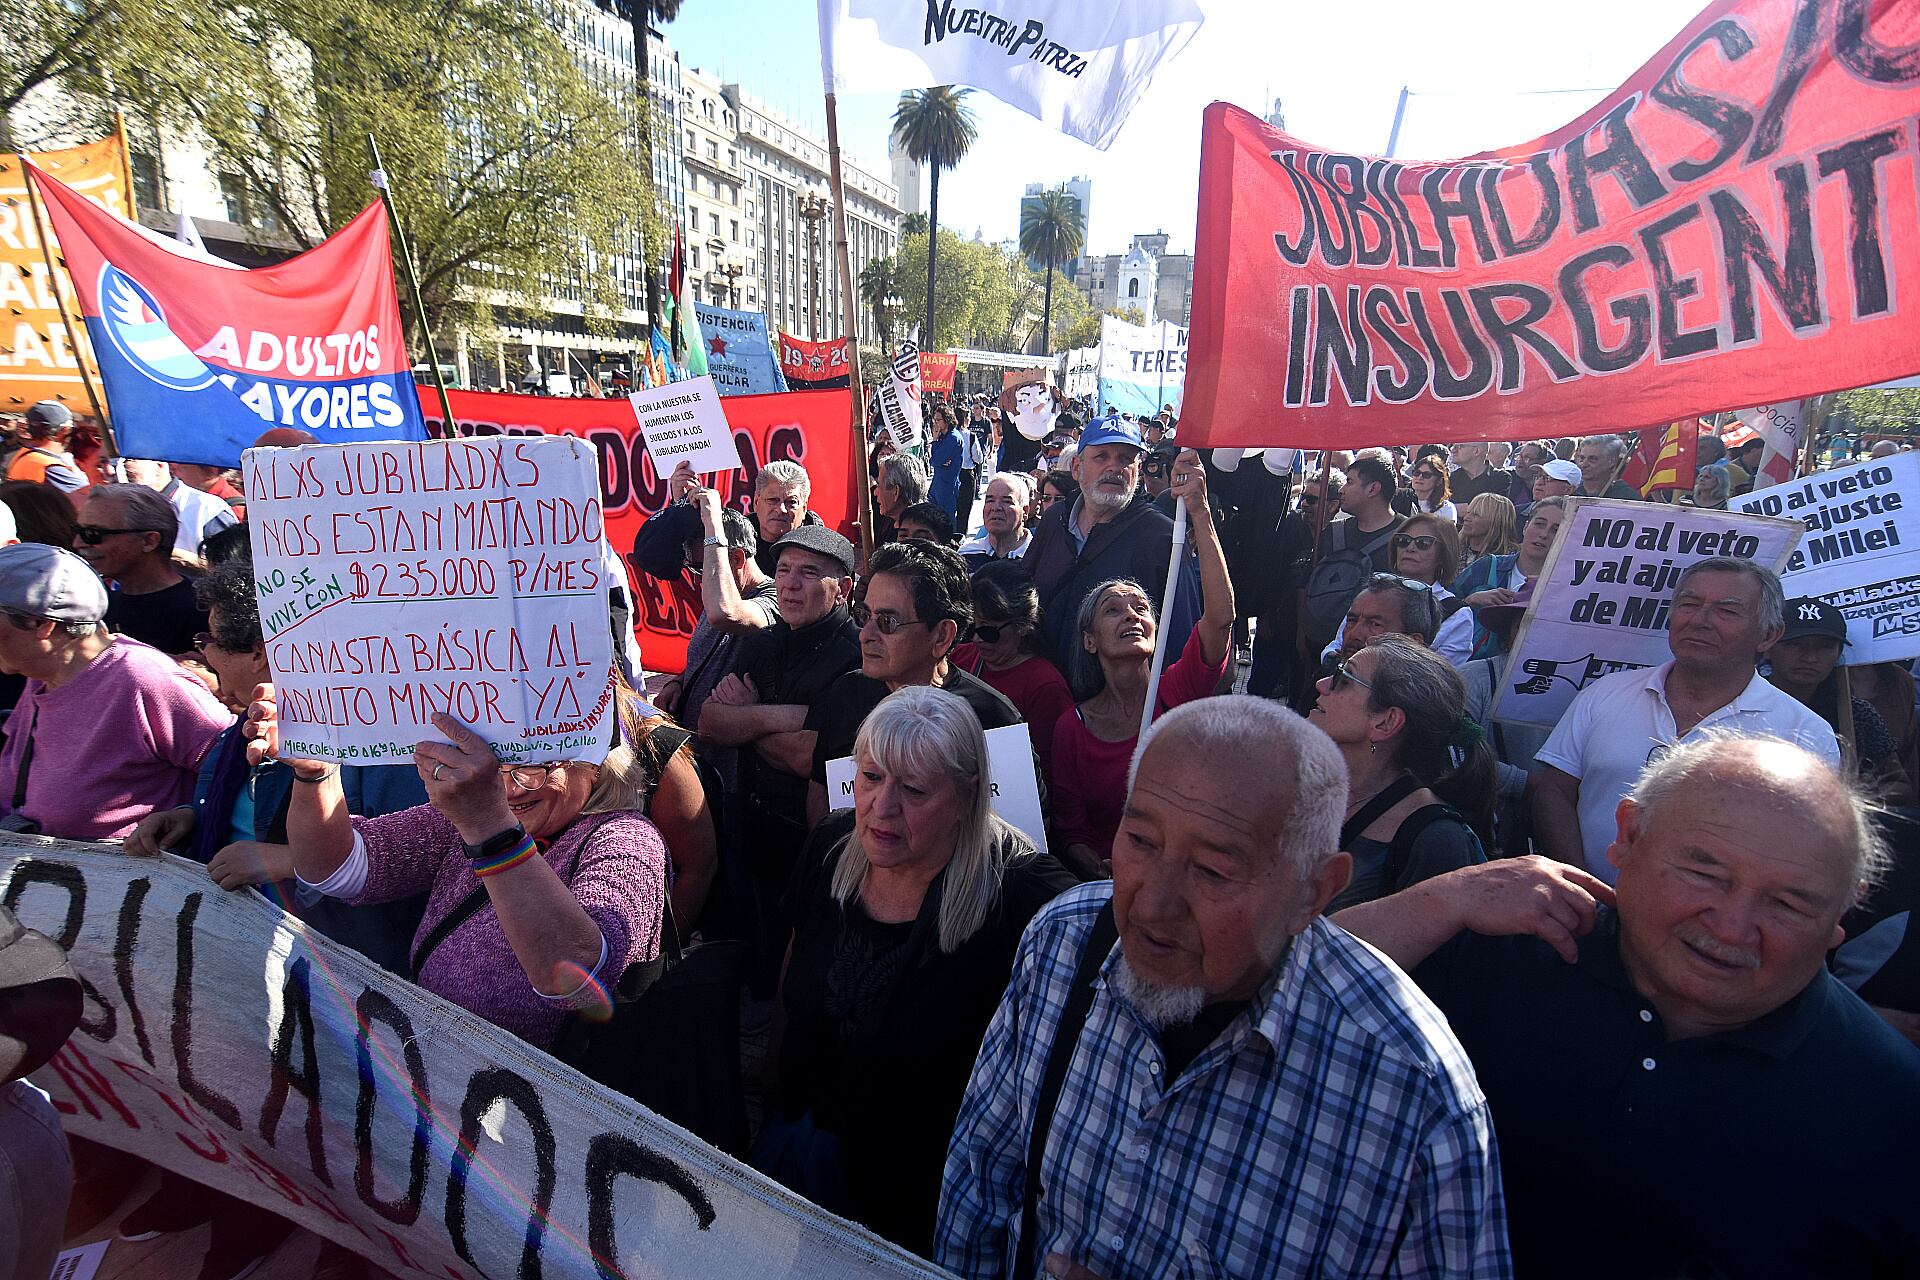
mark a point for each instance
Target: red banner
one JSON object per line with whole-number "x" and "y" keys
{"x": 815, "y": 364}
{"x": 937, "y": 369}
{"x": 1735, "y": 225}
{"x": 807, "y": 427}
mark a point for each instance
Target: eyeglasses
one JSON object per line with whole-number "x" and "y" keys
{"x": 1424, "y": 541}
{"x": 990, "y": 632}
{"x": 1343, "y": 675}
{"x": 202, "y": 639}
{"x": 23, "y": 621}
{"x": 530, "y": 777}
{"x": 1426, "y": 473}
{"x": 885, "y": 623}
{"x": 93, "y": 535}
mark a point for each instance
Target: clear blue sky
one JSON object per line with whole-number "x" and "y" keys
{"x": 1479, "y": 70}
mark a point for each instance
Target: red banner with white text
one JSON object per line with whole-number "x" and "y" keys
{"x": 937, "y": 369}
{"x": 814, "y": 364}
{"x": 1737, "y": 224}
{"x": 807, "y": 427}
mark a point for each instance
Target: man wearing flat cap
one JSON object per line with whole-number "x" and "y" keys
{"x": 108, "y": 729}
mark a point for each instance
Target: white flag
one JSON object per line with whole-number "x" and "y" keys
{"x": 187, "y": 233}
{"x": 900, "y": 396}
{"x": 1076, "y": 66}
{"x": 1782, "y": 426}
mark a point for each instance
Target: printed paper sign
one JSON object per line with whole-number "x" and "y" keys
{"x": 1604, "y": 592}
{"x": 1863, "y": 523}
{"x": 1016, "y": 789}
{"x": 683, "y": 422}
{"x": 225, "y": 1041}
{"x": 463, "y": 577}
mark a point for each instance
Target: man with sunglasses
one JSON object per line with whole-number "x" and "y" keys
{"x": 108, "y": 729}
{"x": 126, "y": 532}
{"x": 912, "y": 610}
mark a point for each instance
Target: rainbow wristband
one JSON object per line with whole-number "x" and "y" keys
{"x": 513, "y": 857}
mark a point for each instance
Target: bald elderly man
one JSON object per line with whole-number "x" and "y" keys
{"x": 1237, "y": 1088}
{"x": 1680, "y": 1086}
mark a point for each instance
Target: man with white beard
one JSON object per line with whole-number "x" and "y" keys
{"x": 1110, "y": 531}
{"x": 1238, "y": 1085}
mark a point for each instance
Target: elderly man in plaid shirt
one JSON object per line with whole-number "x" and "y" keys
{"x": 1238, "y": 1088}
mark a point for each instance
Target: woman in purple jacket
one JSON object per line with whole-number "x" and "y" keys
{"x": 566, "y": 875}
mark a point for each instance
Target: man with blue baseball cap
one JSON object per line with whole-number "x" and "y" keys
{"x": 1110, "y": 531}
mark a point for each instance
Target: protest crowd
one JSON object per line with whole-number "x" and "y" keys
{"x": 859, "y": 826}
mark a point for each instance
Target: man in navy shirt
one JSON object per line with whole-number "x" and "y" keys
{"x": 1678, "y": 1085}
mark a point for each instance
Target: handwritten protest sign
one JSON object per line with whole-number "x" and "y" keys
{"x": 463, "y": 577}
{"x": 1863, "y": 524}
{"x": 683, "y": 422}
{"x": 1601, "y": 603}
{"x": 1015, "y": 788}
{"x": 222, "y": 1040}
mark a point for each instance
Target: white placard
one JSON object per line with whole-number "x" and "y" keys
{"x": 1602, "y": 599}
{"x": 1863, "y": 525}
{"x": 84, "y": 1262}
{"x": 462, "y": 577}
{"x": 1016, "y": 789}
{"x": 683, "y": 422}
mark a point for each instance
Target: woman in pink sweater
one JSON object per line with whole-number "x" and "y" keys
{"x": 544, "y": 882}
{"x": 1093, "y": 742}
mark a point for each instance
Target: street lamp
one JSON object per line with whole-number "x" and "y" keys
{"x": 715, "y": 248}
{"x": 890, "y": 308}
{"x": 732, "y": 271}
{"x": 812, "y": 208}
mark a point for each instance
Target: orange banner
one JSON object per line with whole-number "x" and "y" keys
{"x": 39, "y": 359}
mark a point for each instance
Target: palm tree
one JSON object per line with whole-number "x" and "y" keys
{"x": 1052, "y": 230}
{"x": 876, "y": 285}
{"x": 935, "y": 127}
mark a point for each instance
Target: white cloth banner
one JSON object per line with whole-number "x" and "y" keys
{"x": 900, "y": 397}
{"x": 1783, "y": 427}
{"x": 1863, "y": 523}
{"x": 1142, "y": 367}
{"x": 1083, "y": 372}
{"x": 466, "y": 577}
{"x": 222, "y": 1040}
{"x": 1602, "y": 600}
{"x": 1075, "y": 66}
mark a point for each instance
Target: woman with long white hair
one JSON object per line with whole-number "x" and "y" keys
{"x": 906, "y": 912}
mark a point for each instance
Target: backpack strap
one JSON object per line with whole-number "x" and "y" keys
{"x": 1370, "y": 812}
{"x": 1066, "y": 1038}
{"x": 1400, "y": 854}
{"x": 468, "y": 908}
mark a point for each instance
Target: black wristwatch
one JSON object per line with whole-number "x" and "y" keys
{"x": 494, "y": 846}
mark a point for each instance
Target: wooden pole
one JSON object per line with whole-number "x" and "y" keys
{"x": 379, "y": 178}
{"x": 76, "y": 334}
{"x": 862, "y": 479}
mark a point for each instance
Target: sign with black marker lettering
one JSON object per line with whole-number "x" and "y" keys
{"x": 683, "y": 422}
{"x": 223, "y": 1041}
{"x": 1604, "y": 593}
{"x": 1863, "y": 525}
{"x": 459, "y": 577}
{"x": 1015, "y": 787}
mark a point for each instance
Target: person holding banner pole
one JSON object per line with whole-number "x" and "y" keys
{"x": 1112, "y": 672}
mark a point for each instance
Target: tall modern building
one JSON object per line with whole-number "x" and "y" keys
{"x": 1145, "y": 276}
{"x": 1081, "y": 189}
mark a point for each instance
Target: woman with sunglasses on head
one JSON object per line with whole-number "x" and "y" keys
{"x": 1007, "y": 651}
{"x": 1488, "y": 527}
{"x": 544, "y": 882}
{"x": 1426, "y": 553}
{"x": 1421, "y": 779}
{"x": 1118, "y": 623}
{"x": 1428, "y": 480}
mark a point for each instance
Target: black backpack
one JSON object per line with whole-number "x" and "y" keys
{"x": 1344, "y": 566}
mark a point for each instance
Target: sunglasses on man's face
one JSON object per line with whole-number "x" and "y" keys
{"x": 885, "y": 623}
{"x": 23, "y": 621}
{"x": 93, "y": 535}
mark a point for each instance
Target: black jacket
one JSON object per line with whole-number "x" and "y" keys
{"x": 1134, "y": 544}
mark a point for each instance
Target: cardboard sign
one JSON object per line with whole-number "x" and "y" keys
{"x": 1734, "y": 225}
{"x": 461, "y": 577}
{"x": 1601, "y": 603}
{"x": 224, "y": 1041}
{"x": 1863, "y": 524}
{"x": 683, "y": 422}
{"x": 1016, "y": 789}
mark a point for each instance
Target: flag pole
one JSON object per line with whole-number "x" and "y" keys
{"x": 379, "y": 179}
{"x": 850, "y": 326}
{"x": 42, "y": 231}
{"x": 1166, "y": 611}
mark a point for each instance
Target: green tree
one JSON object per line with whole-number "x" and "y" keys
{"x": 914, "y": 224}
{"x": 935, "y": 127}
{"x": 1084, "y": 331}
{"x": 1052, "y": 230}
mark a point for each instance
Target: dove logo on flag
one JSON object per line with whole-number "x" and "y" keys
{"x": 138, "y": 330}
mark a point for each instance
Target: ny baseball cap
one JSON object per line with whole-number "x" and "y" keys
{"x": 46, "y": 582}
{"x": 1111, "y": 430}
{"x": 1561, "y": 469}
{"x": 820, "y": 540}
{"x": 1812, "y": 616}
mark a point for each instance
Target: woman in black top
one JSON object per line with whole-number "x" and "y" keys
{"x": 1421, "y": 779}
{"x": 906, "y": 912}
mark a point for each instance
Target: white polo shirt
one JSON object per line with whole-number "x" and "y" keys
{"x": 1619, "y": 723}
